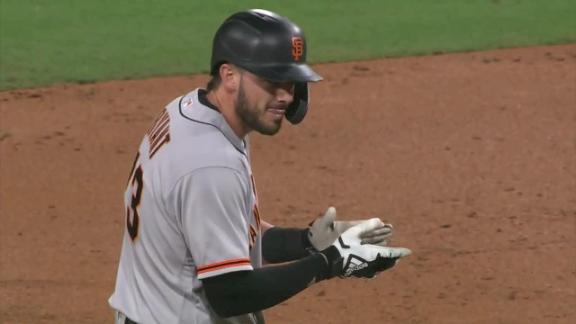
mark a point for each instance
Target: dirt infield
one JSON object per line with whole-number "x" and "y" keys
{"x": 471, "y": 156}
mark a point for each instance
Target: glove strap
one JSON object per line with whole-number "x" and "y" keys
{"x": 333, "y": 262}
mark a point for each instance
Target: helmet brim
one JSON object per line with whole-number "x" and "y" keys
{"x": 296, "y": 72}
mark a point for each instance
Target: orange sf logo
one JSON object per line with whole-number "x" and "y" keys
{"x": 297, "y": 48}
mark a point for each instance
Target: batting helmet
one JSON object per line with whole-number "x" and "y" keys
{"x": 270, "y": 46}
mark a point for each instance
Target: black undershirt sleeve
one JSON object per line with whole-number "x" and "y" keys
{"x": 245, "y": 292}
{"x": 285, "y": 244}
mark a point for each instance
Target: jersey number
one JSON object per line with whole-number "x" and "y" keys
{"x": 132, "y": 218}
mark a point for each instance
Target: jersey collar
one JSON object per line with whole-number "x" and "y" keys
{"x": 194, "y": 110}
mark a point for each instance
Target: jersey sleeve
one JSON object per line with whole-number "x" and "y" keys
{"x": 212, "y": 206}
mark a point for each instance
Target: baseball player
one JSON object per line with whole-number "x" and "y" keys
{"x": 195, "y": 249}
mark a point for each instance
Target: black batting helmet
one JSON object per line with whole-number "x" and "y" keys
{"x": 270, "y": 46}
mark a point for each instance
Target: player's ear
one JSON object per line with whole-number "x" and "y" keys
{"x": 230, "y": 76}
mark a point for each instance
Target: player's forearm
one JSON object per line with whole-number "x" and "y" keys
{"x": 245, "y": 292}
{"x": 285, "y": 244}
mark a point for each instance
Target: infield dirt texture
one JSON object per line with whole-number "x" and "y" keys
{"x": 470, "y": 156}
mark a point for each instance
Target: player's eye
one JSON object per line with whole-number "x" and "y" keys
{"x": 274, "y": 85}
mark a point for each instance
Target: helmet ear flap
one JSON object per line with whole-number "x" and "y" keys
{"x": 299, "y": 106}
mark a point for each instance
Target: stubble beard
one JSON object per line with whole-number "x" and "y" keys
{"x": 251, "y": 116}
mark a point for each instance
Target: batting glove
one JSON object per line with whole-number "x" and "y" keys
{"x": 326, "y": 229}
{"x": 348, "y": 257}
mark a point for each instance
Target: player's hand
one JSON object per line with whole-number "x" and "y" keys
{"x": 326, "y": 229}
{"x": 354, "y": 259}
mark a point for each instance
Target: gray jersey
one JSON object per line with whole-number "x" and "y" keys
{"x": 191, "y": 213}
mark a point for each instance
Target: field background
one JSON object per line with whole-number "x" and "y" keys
{"x": 42, "y": 42}
{"x": 470, "y": 155}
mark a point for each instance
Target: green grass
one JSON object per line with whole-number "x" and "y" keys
{"x": 50, "y": 41}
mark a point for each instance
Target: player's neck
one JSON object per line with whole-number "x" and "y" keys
{"x": 226, "y": 107}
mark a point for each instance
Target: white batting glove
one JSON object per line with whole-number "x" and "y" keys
{"x": 326, "y": 229}
{"x": 361, "y": 260}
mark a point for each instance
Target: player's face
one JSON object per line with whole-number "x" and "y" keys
{"x": 261, "y": 104}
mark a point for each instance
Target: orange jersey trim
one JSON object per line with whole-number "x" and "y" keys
{"x": 223, "y": 264}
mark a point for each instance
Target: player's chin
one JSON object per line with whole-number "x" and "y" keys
{"x": 269, "y": 126}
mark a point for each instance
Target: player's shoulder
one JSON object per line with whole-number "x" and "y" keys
{"x": 201, "y": 138}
